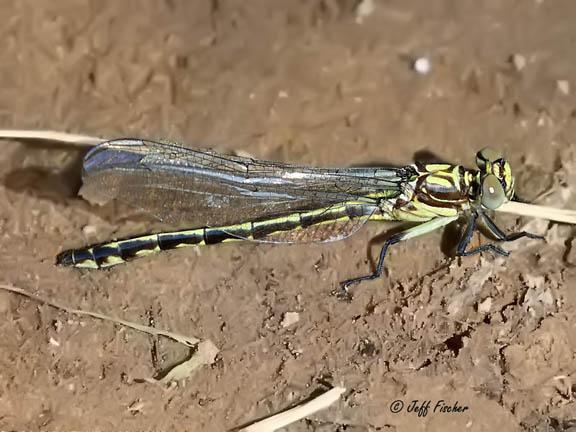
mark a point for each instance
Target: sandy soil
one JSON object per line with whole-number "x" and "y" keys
{"x": 308, "y": 81}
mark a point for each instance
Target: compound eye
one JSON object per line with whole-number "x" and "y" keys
{"x": 487, "y": 154}
{"x": 493, "y": 195}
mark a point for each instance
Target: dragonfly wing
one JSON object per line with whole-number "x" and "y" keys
{"x": 180, "y": 185}
{"x": 178, "y": 200}
{"x": 337, "y": 229}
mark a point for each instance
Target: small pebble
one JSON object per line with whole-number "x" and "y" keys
{"x": 422, "y": 65}
{"x": 89, "y": 230}
{"x": 364, "y": 9}
{"x": 518, "y": 61}
{"x": 563, "y": 87}
{"x": 485, "y": 306}
{"x": 290, "y": 318}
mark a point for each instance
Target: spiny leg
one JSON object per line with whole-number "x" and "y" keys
{"x": 501, "y": 235}
{"x": 495, "y": 231}
{"x": 467, "y": 236}
{"x": 343, "y": 292}
{"x": 409, "y": 233}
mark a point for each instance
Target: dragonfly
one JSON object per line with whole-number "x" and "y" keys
{"x": 226, "y": 198}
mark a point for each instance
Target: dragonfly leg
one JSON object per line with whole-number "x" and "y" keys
{"x": 501, "y": 235}
{"x": 343, "y": 292}
{"x": 467, "y": 236}
{"x": 409, "y": 233}
{"x": 495, "y": 231}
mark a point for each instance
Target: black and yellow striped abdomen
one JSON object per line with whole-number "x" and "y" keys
{"x": 330, "y": 223}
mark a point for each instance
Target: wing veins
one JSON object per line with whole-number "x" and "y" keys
{"x": 149, "y": 175}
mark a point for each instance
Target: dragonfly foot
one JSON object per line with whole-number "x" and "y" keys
{"x": 342, "y": 293}
{"x": 493, "y": 249}
{"x": 535, "y": 236}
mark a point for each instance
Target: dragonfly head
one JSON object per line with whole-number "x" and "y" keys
{"x": 495, "y": 178}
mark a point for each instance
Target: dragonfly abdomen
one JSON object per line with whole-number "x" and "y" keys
{"x": 325, "y": 224}
{"x": 121, "y": 251}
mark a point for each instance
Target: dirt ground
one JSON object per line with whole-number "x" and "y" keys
{"x": 326, "y": 82}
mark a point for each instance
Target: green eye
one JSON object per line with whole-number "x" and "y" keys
{"x": 493, "y": 195}
{"x": 487, "y": 154}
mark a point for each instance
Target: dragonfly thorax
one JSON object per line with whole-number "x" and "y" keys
{"x": 438, "y": 190}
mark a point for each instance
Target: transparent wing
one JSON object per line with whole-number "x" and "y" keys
{"x": 326, "y": 232}
{"x": 203, "y": 188}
